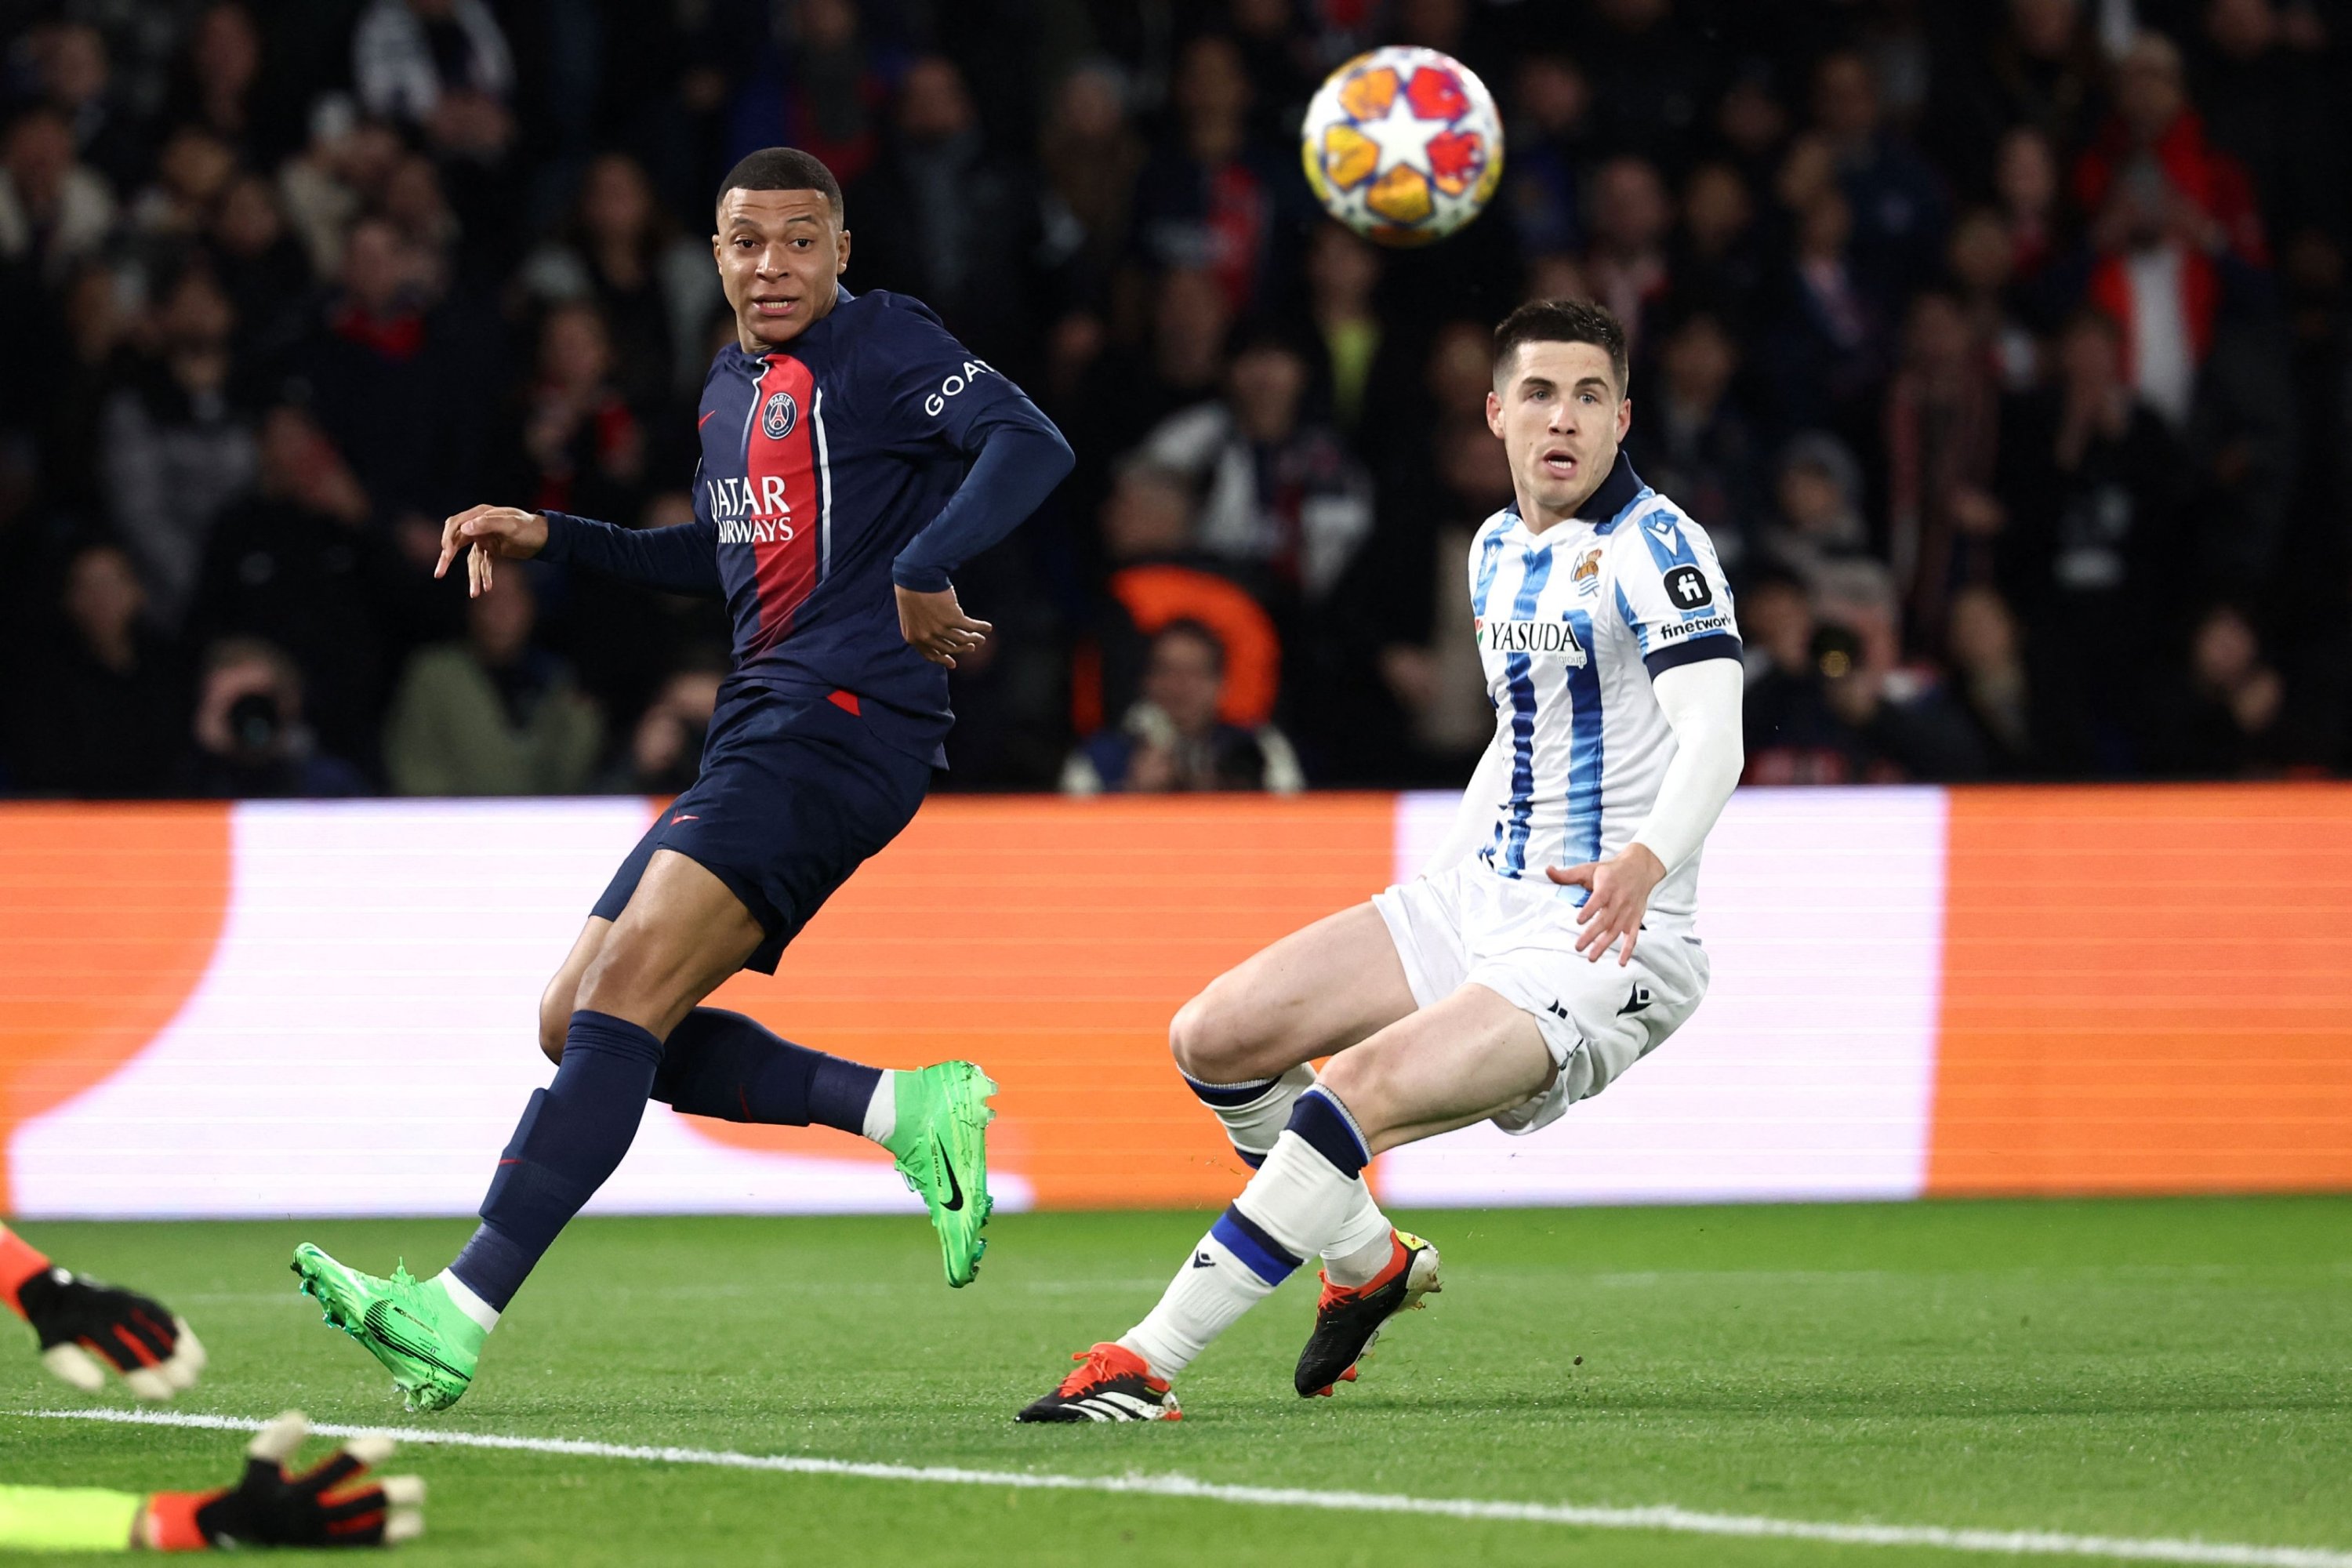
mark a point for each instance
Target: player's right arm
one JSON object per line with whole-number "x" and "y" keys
{"x": 680, "y": 559}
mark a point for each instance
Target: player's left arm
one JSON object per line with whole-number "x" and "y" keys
{"x": 1679, "y": 608}
{"x": 937, "y": 393}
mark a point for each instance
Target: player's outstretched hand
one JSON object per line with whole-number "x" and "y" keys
{"x": 1621, "y": 888}
{"x": 333, "y": 1504}
{"x": 494, "y": 533}
{"x": 85, "y": 1326}
{"x": 937, "y": 627}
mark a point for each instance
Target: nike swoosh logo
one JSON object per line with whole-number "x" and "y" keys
{"x": 955, "y": 1188}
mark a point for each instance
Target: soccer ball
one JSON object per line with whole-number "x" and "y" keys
{"x": 1403, "y": 145}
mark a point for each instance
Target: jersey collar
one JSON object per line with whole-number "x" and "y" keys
{"x": 1607, "y": 506}
{"x": 1618, "y": 494}
{"x": 814, "y": 336}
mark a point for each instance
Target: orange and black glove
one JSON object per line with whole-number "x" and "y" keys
{"x": 334, "y": 1503}
{"x": 82, "y": 1323}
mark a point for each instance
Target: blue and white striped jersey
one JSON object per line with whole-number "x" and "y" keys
{"x": 1572, "y": 623}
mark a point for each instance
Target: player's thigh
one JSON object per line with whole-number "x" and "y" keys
{"x": 1317, "y": 991}
{"x": 562, "y": 998}
{"x": 1457, "y": 1061}
{"x": 683, "y": 934}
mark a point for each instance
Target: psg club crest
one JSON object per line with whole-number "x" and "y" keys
{"x": 779, "y": 415}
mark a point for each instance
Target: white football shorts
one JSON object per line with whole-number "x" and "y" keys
{"x": 1468, "y": 926}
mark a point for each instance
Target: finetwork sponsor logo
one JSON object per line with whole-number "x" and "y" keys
{"x": 1557, "y": 638}
{"x": 1677, "y": 631}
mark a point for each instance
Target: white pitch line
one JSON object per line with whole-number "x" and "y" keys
{"x": 1679, "y": 1521}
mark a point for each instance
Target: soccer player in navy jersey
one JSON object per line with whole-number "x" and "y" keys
{"x": 853, "y": 453}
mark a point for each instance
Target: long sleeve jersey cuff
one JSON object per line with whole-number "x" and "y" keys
{"x": 1019, "y": 464}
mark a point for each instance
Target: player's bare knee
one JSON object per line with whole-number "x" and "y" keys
{"x": 555, "y": 1012}
{"x": 1207, "y": 1041}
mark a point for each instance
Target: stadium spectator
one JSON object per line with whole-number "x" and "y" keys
{"x": 98, "y": 710}
{"x": 78, "y": 82}
{"x": 262, "y": 268}
{"x": 1342, "y": 275}
{"x": 1838, "y": 720}
{"x": 1173, "y": 739}
{"x": 1280, "y": 495}
{"x": 2155, "y": 142}
{"x": 2096, "y": 487}
{"x": 1943, "y": 433}
{"x": 442, "y": 67}
{"x": 1997, "y": 691}
{"x": 1208, "y": 198}
{"x": 218, "y": 86}
{"x": 397, "y": 375}
{"x": 494, "y": 714}
{"x": 941, "y": 217}
{"x": 191, "y": 172}
{"x": 2025, "y": 179}
{"x": 54, "y": 210}
{"x": 304, "y": 565}
{"x": 1895, "y": 202}
{"x": 174, "y": 448}
{"x": 581, "y": 447}
{"x": 653, "y": 285}
{"x": 1552, "y": 146}
{"x": 665, "y": 754}
{"x": 249, "y": 738}
{"x": 1819, "y": 533}
{"x": 2224, "y": 716}
{"x": 1091, "y": 155}
{"x": 1159, "y": 576}
{"x": 1627, "y": 264}
{"x": 1692, "y": 441}
{"x": 1717, "y": 265}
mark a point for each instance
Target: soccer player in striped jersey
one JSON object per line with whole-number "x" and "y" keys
{"x": 1479, "y": 989}
{"x": 853, "y": 453}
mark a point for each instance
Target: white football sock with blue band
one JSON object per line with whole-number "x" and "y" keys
{"x": 1254, "y": 1114}
{"x": 1298, "y": 1203}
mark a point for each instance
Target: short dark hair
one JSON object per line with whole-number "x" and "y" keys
{"x": 1564, "y": 322}
{"x": 784, "y": 169}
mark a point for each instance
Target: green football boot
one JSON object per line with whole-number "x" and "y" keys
{"x": 941, "y": 1143}
{"x": 422, "y": 1338}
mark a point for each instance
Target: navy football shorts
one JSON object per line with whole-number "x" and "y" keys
{"x": 794, "y": 795}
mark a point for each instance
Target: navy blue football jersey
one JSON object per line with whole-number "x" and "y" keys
{"x": 825, "y": 465}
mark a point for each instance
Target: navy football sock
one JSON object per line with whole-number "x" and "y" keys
{"x": 722, "y": 1064}
{"x": 571, "y": 1138}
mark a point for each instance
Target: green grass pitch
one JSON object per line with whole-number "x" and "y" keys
{"x": 2145, "y": 1368}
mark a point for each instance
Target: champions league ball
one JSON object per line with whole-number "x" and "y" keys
{"x": 1403, "y": 145}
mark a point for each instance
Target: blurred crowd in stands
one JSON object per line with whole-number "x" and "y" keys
{"x": 2004, "y": 349}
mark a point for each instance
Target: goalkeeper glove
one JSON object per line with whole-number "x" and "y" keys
{"x": 80, "y": 1321}
{"x": 332, "y": 1504}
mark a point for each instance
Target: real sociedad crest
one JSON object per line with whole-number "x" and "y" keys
{"x": 778, "y": 416}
